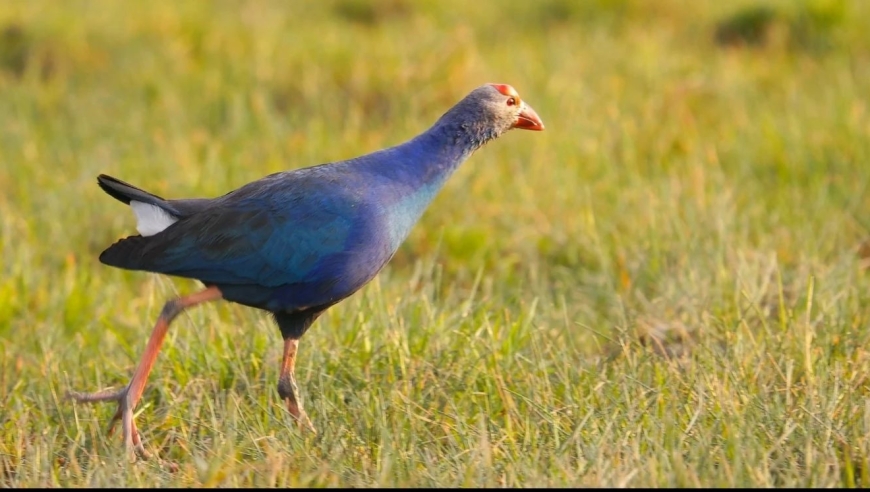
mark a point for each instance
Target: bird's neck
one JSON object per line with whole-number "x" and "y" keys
{"x": 430, "y": 158}
{"x": 416, "y": 170}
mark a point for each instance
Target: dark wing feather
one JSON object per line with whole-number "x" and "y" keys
{"x": 310, "y": 236}
{"x": 125, "y": 192}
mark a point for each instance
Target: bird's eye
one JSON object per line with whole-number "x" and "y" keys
{"x": 512, "y": 101}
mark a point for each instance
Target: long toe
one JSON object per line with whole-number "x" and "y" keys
{"x": 135, "y": 444}
{"x": 306, "y": 423}
{"x": 123, "y": 414}
{"x": 97, "y": 396}
{"x": 300, "y": 416}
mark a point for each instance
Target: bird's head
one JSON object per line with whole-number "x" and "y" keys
{"x": 509, "y": 109}
{"x": 491, "y": 110}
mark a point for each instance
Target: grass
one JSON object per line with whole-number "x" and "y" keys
{"x": 666, "y": 288}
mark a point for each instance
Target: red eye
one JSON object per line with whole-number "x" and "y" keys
{"x": 512, "y": 101}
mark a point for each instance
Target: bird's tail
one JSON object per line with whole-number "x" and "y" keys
{"x": 125, "y": 192}
{"x": 127, "y": 253}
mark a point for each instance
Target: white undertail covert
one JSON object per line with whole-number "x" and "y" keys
{"x": 151, "y": 219}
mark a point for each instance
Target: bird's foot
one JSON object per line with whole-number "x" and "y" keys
{"x": 132, "y": 440}
{"x": 287, "y": 388}
{"x": 300, "y": 416}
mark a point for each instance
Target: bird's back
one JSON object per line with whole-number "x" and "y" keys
{"x": 294, "y": 239}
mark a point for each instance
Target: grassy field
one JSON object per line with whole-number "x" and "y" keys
{"x": 668, "y": 287}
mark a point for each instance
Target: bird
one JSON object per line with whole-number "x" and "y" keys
{"x": 295, "y": 243}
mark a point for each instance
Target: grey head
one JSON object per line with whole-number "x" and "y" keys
{"x": 489, "y": 111}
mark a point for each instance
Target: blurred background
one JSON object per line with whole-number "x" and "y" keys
{"x": 704, "y": 171}
{"x": 669, "y": 123}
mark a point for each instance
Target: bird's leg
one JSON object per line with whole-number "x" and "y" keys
{"x": 287, "y": 388}
{"x": 128, "y": 396}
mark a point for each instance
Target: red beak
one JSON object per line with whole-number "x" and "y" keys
{"x": 528, "y": 119}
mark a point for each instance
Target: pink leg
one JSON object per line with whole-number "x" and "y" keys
{"x": 128, "y": 397}
{"x": 287, "y": 388}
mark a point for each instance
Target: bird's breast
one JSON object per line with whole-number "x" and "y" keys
{"x": 404, "y": 211}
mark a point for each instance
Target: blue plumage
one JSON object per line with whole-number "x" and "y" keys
{"x": 296, "y": 242}
{"x": 311, "y": 236}
{"x": 307, "y": 237}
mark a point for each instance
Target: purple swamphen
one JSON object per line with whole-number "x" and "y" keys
{"x": 295, "y": 243}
